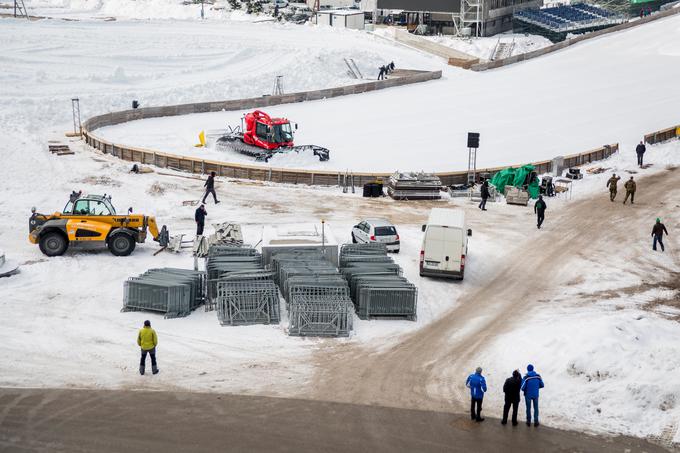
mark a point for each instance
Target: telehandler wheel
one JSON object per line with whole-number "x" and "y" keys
{"x": 121, "y": 244}
{"x": 53, "y": 244}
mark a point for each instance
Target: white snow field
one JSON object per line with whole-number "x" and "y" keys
{"x": 60, "y": 319}
{"x": 609, "y": 89}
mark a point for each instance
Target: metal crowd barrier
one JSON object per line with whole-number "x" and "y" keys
{"x": 317, "y": 295}
{"x": 173, "y": 292}
{"x": 377, "y": 287}
{"x": 245, "y": 302}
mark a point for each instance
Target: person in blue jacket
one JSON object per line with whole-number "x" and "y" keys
{"x": 477, "y": 385}
{"x": 531, "y": 384}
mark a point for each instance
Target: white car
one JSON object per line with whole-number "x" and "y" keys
{"x": 376, "y": 230}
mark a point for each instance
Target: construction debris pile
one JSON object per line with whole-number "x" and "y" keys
{"x": 173, "y": 292}
{"x": 7, "y": 267}
{"x": 376, "y": 283}
{"x": 414, "y": 186}
{"x": 225, "y": 234}
{"x": 317, "y": 296}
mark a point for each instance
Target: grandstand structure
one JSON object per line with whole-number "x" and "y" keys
{"x": 557, "y": 22}
{"x": 452, "y": 17}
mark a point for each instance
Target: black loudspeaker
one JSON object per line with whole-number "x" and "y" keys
{"x": 473, "y": 139}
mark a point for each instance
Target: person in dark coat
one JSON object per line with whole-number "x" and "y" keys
{"x": 657, "y": 232}
{"x": 640, "y": 151}
{"x": 381, "y": 74}
{"x": 199, "y": 217}
{"x": 391, "y": 66}
{"x": 539, "y": 210}
{"x": 210, "y": 187}
{"x": 511, "y": 388}
{"x": 630, "y": 187}
{"x": 485, "y": 195}
{"x": 477, "y": 385}
{"x": 612, "y": 184}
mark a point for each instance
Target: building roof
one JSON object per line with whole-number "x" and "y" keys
{"x": 341, "y": 12}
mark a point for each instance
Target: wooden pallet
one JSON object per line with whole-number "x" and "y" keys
{"x": 60, "y": 150}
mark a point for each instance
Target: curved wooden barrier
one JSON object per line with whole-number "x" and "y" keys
{"x": 283, "y": 175}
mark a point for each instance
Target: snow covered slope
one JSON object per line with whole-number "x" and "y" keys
{"x": 609, "y": 89}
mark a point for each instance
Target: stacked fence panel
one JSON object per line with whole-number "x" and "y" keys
{"x": 173, "y": 292}
{"x": 376, "y": 285}
{"x": 223, "y": 261}
{"x": 414, "y": 186}
{"x": 245, "y": 302}
{"x": 317, "y": 295}
{"x": 239, "y": 287}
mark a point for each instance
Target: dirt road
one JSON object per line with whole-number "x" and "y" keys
{"x": 75, "y": 421}
{"x": 424, "y": 370}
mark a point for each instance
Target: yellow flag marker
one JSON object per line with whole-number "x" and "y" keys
{"x": 201, "y": 139}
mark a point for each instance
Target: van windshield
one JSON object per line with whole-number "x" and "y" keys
{"x": 385, "y": 231}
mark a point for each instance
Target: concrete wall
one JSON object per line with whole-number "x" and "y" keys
{"x": 570, "y": 42}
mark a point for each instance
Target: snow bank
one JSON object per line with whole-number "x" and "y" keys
{"x": 483, "y": 48}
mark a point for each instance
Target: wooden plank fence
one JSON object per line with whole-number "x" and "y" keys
{"x": 293, "y": 176}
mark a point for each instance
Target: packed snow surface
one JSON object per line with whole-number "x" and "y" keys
{"x": 605, "y": 90}
{"x": 61, "y": 321}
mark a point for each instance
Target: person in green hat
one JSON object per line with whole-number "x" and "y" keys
{"x": 657, "y": 232}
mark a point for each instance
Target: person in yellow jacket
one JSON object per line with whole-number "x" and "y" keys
{"x": 147, "y": 340}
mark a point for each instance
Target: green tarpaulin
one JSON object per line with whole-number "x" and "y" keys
{"x": 515, "y": 177}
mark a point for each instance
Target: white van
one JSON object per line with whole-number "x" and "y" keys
{"x": 444, "y": 244}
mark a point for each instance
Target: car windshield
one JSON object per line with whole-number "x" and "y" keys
{"x": 282, "y": 133}
{"x": 385, "y": 231}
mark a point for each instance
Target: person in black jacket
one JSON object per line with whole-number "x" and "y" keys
{"x": 640, "y": 151}
{"x": 199, "y": 217}
{"x": 210, "y": 187}
{"x": 485, "y": 195}
{"x": 539, "y": 210}
{"x": 511, "y": 388}
{"x": 657, "y": 232}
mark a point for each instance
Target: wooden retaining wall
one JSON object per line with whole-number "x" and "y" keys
{"x": 663, "y": 135}
{"x": 293, "y": 176}
{"x": 309, "y": 177}
{"x": 109, "y": 119}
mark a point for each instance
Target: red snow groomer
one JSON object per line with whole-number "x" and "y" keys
{"x": 262, "y": 136}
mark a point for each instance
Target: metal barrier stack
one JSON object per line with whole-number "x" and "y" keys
{"x": 247, "y": 301}
{"x": 224, "y": 260}
{"x": 414, "y": 186}
{"x": 317, "y": 295}
{"x": 239, "y": 287}
{"x": 376, "y": 283}
{"x": 174, "y": 292}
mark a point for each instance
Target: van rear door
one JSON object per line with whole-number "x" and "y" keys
{"x": 443, "y": 247}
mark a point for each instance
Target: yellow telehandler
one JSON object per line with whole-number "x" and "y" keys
{"x": 90, "y": 221}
